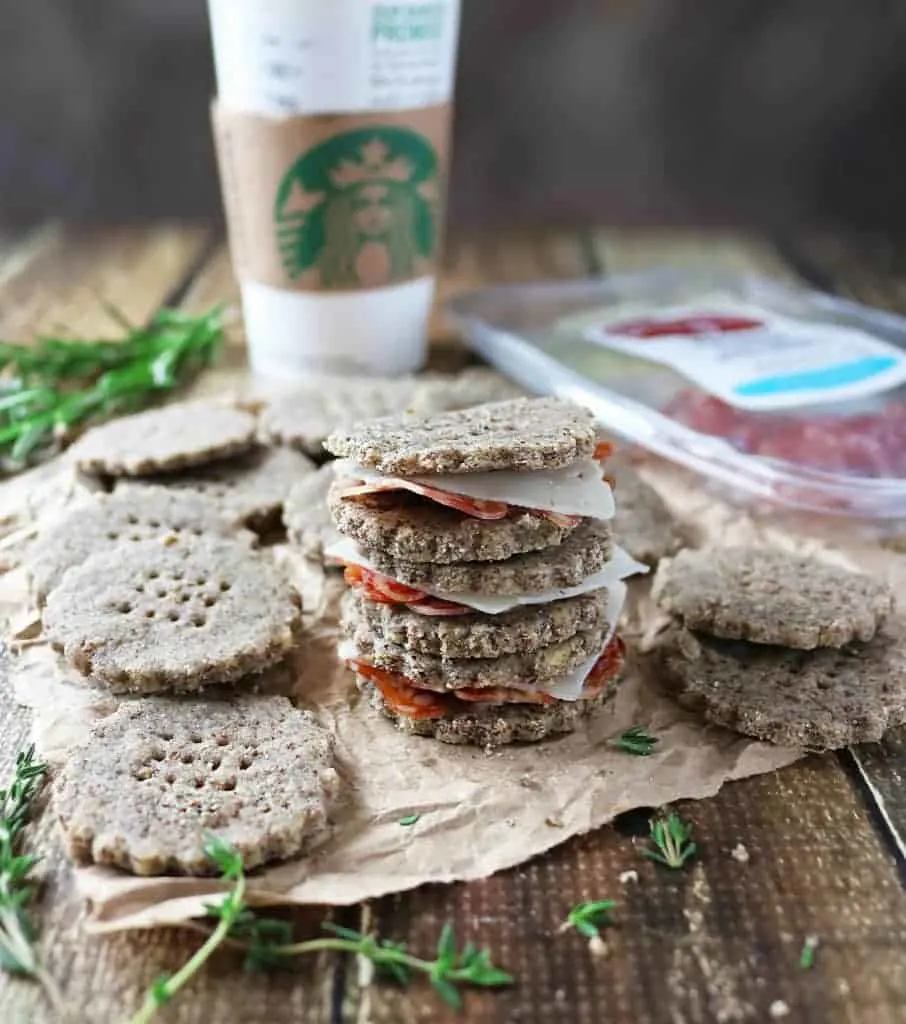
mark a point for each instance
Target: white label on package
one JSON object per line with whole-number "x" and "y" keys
{"x": 757, "y": 360}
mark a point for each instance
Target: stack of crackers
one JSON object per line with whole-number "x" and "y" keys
{"x": 484, "y": 583}
{"x": 782, "y": 647}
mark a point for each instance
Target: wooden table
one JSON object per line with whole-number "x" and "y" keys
{"x": 719, "y": 941}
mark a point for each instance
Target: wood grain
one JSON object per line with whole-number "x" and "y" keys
{"x": 717, "y": 941}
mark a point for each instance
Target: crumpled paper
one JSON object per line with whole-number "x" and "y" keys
{"x": 479, "y": 812}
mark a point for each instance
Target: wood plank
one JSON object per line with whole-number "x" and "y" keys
{"x": 104, "y": 980}
{"x": 620, "y": 252}
{"x": 62, "y": 281}
{"x": 718, "y": 941}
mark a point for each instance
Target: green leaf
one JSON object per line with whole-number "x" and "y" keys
{"x": 807, "y": 954}
{"x": 636, "y": 740}
{"x": 446, "y": 945}
{"x": 410, "y": 819}
{"x": 448, "y": 992}
{"x": 159, "y": 991}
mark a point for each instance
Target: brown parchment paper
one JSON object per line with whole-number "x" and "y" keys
{"x": 479, "y": 812}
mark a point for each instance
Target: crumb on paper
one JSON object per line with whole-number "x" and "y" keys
{"x": 553, "y": 822}
{"x": 778, "y": 1009}
{"x": 740, "y": 853}
{"x": 628, "y": 876}
{"x": 598, "y": 947}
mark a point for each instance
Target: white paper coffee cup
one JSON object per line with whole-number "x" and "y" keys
{"x": 332, "y": 128}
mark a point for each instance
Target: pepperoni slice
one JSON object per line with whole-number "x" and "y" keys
{"x": 562, "y": 519}
{"x": 689, "y": 326}
{"x": 474, "y": 507}
{"x": 380, "y": 588}
{"x": 402, "y": 697}
{"x": 606, "y": 667}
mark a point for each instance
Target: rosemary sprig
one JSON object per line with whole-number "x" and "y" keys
{"x": 55, "y": 385}
{"x": 17, "y": 934}
{"x": 268, "y": 943}
{"x": 672, "y": 841}
{"x": 588, "y": 918}
{"x": 636, "y": 741}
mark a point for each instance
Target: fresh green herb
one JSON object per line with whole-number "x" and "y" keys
{"x": 807, "y": 955}
{"x": 672, "y": 839}
{"x": 589, "y": 917}
{"x": 636, "y": 741}
{"x": 268, "y": 943}
{"x": 55, "y": 385}
{"x": 229, "y": 911}
{"x": 17, "y": 934}
{"x": 410, "y": 819}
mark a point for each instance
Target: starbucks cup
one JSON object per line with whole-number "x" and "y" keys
{"x": 332, "y": 125}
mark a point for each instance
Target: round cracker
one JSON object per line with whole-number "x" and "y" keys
{"x": 157, "y": 777}
{"x": 643, "y": 524}
{"x": 306, "y": 514}
{"x": 173, "y": 616}
{"x": 495, "y": 725}
{"x": 530, "y": 669}
{"x": 584, "y": 552}
{"x": 302, "y": 418}
{"x": 771, "y": 597}
{"x": 524, "y": 434}
{"x": 249, "y": 490}
{"x": 158, "y": 440}
{"x": 821, "y": 699}
{"x": 522, "y": 629}
{"x": 119, "y": 519}
{"x": 404, "y": 526}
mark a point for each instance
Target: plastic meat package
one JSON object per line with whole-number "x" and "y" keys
{"x": 778, "y": 392}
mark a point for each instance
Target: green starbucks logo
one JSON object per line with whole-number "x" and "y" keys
{"x": 360, "y": 209}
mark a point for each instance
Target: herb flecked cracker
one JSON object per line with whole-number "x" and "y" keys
{"x": 159, "y": 440}
{"x": 475, "y": 635}
{"x": 249, "y": 490}
{"x": 159, "y": 775}
{"x": 821, "y": 699}
{"x": 771, "y": 597}
{"x": 586, "y": 550}
{"x": 122, "y": 518}
{"x": 525, "y": 434}
{"x": 158, "y": 616}
{"x": 408, "y": 528}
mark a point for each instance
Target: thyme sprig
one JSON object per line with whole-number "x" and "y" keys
{"x": 589, "y": 917}
{"x": 671, "y": 841}
{"x": 636, "y": 741}
{"x": 268, "y": 943}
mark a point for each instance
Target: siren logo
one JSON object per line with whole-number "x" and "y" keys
{"x": 360, "y": 210}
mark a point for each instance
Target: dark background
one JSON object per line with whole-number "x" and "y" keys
{"x": 768, "y": 112}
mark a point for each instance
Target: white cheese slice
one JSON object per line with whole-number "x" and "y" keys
{"x": 576, "y": 490}
{"x": 618, "y": 568}
{"x": 570, "y": 686}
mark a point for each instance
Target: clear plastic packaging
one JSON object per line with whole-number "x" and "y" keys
{"x": 778, "y": 392}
